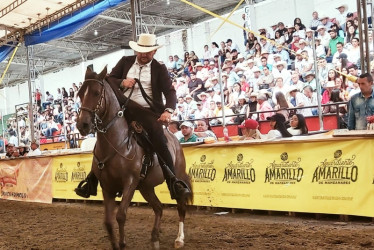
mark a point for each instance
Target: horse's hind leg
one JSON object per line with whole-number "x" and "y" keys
{"x": 128, "y": 193}
{"x": 179, "y": 241}
{"x": 110, "y": 206}
{"x": 150, "y": 196}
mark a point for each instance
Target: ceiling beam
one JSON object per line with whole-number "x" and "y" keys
{"x": 13, "y": 5}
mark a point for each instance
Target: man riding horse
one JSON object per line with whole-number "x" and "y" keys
{"x": 153, "y": 82}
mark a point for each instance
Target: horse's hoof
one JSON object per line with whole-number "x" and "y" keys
{"x": 178, "y": 243}
{"x": 156, "y": 245}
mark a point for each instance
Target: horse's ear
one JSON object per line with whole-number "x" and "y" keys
{"x": 103, "y": 73}
{"x": 88, "y": 72}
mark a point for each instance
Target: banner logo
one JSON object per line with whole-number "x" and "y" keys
{"x": 8, "y": 176}
{"x": 239, "y": 172}
{"x": 78, "y": 174}
{"x": 284, "y": 172}
{"x": 203, "y": 171}
{"x": 61, "y": 174}
{"x": 336, "y": 171}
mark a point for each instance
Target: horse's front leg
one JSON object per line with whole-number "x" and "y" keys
{"x": 110, "y": 206}
{"x": 128, "y": 193}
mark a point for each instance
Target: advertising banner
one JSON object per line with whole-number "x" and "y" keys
{"x": 335, "y": 177}
{"x": 318, "y": 177}
{"x": 26, "y": 179}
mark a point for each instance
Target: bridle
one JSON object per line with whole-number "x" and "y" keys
{"x": 97, "y": 120}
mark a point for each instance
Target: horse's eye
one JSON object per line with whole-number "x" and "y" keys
{"x": 96, "y": 93}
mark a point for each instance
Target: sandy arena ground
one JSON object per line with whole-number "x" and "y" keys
{"x": 79, "y": 226}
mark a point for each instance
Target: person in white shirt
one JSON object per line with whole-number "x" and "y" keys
{"x": 278, "y": 128}
{"x": 339, "y": 50}
{"x": 354, "y": 51}
{"x": 301, "y": 101}
{"x": 341, "y": 16}
{"x": 34, "y": 149}
{"x": 324, "y": 36}
{"x": 281, "y": 71}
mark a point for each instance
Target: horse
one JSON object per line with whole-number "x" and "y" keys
{"x": 117, "y": 160}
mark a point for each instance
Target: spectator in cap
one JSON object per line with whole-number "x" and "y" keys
{"x": 339, "y": 50}
{"x": 248, "y": 129}
{"x": 315, "y": 22}
{"x": 332, "y": 44}
{"x": 187, "y": 129}
{"x": 277, "y": 128}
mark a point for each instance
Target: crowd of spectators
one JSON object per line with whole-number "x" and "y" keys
{"x": 274, "y": 71}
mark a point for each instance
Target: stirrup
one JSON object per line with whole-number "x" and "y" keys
{"x": 146, "y": 163}
{"x": 83, "y": 189}
{"x": 182, "y": 185}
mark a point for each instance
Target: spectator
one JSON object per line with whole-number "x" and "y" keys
{"x": 300, "y": 101}
{"x": 173, "y": 127}
{"x": 34, "y": 149}
{"x": 203, "y": 130}
{"x": 22, "y": 150}
{"x": 10, "y": 149}
{"x": 361, "y": 105}
{"x": 333, "y": 42}
{"x": 58, "y": 96}
{"x": 278, "y": 128}
{"x": 248, "y": 129}
{"x": 264, "y": 106}
{"x": 282, "y": 105}
{"x": 49, "y": 99}
{"x": 65, "y": 94}
{"x": 171, "y": 63}
{"x": 38, "y": 98}
{"x": 2, "y": 144}
{"x": 341, "y": 16}
{"x": 315, "y": 22}
{"x": 195, "y": 86}
{"x": 13, "y": 138}
{"x": 354, "y": 51}
{"x": 298, "y": 125}
{"x": 187, "y": 129}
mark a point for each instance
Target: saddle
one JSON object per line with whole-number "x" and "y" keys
{"x": 141, "y": 137}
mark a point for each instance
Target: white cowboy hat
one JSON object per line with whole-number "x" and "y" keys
{"x": 201, "y": 94}
{"x": 255, "y": 69}
{"x": 146, "y": 43}
{"x": 281, "y": 63}
{"x": 292, "y": 88}
{"x": 321, "y": 27}
{"x": 199, "y": 64}
{"x": 242, "y": 96}
{"x": 343, "y": 5}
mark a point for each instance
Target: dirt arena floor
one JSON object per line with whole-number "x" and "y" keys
{"x": 64, "y": 225}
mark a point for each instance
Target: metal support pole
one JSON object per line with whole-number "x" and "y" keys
{"x": 31, "y": 110}
{"x": 318, "y": 85}
{"x": 366, "y": 33}
{"x": 133, "y": 22}
{"x": 221, "y": 91}
{"x": 362, "y": 59}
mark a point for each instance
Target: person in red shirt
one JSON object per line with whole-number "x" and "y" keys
{"x": 38, "y": 98}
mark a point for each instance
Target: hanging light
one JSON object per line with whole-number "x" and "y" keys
{"x": 95, "y": 32}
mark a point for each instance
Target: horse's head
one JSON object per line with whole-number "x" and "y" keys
{"x": 92, "y": 97}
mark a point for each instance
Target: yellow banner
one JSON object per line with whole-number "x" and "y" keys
{"x": 335, "y": 177}
{"x": 317, "y": 177}
{"x": 26, "y": 179}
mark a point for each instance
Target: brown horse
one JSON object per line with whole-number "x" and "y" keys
{"x": 117, "y": 159}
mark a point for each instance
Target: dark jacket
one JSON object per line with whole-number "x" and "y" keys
{"x": 160, "y": 82}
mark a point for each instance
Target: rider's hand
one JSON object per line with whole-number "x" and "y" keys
{"x": 165, "y": 117}
{"x": 128, "y": 82}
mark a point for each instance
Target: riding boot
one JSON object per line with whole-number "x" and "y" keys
{"x": 178, "y": 189}
{"x": 87, "y": 187}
